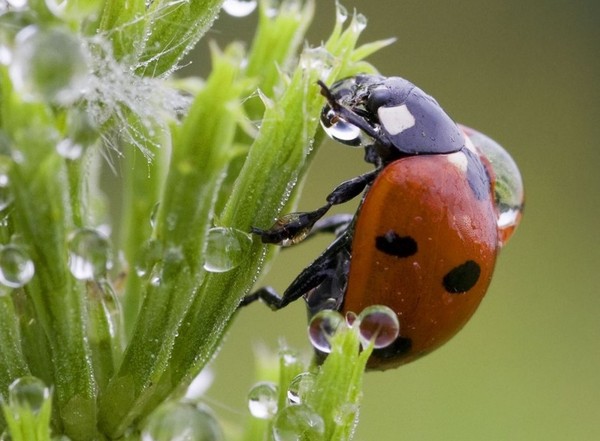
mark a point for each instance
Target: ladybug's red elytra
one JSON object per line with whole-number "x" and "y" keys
{"x": 440, "y": 203}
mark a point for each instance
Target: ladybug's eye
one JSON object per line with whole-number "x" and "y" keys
{"x": 377, "y": 98}
{"x": 339, "y": 129}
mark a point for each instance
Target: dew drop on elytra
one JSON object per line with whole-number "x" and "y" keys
{"x": 239, "y": 8}
{"x": 225, "y": 249}
{"x": 262, "y": 400}
{"x": 28, "y": 392}
{"x": 89, "y": 254}
{"x": 181, "y": 421}
{"x": 16, "y": 268}
{"x": 322, "y": 327}
{"x": 298, "y": 423}
{"x": 509, "y": 194}
{"x": 378, "y": 324}
{"x": 300, "y": 387}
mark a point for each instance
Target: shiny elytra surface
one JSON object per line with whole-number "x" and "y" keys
{"x": 427, "y": 199}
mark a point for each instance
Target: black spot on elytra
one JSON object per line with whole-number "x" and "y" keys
{"x": 462, "y": 278}
{"x": 400, "y": 346}
{"x": 395, "y": 245}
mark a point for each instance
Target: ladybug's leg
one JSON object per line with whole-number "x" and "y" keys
{"x": 311, "y": 277}
{"x": 351, "y": 188}
{"x": 294, "y": 227}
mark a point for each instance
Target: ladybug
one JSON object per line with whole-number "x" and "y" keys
{"x": 440, "y": 203}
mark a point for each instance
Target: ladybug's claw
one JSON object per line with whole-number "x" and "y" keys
{"x": 291, "y": 228}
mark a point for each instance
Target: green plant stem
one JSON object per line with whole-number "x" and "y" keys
{"x": 138, "y": 205}
{"x": 12, "y": 360}
{"x": 200, "y": 153}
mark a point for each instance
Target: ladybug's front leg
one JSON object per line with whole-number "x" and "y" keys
{"x": 295, "y": 227}
{"x": 323, "y": 268}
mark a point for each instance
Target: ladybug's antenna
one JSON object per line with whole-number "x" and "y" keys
{"x": 329, "y": 96}
{"x": 346, "y": 114}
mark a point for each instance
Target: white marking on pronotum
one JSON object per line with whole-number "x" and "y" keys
{"x": 459, "y": 160}
{"x": 396, "y": 119}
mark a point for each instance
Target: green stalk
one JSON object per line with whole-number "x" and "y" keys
{"x": 201, "y": 149}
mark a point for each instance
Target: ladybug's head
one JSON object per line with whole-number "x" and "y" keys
{"x": 390, "y": 116}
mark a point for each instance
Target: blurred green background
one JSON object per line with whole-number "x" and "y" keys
{"x": 527, "y": 366}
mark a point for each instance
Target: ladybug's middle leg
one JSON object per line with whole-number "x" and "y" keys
{"x": 294, "y": 227}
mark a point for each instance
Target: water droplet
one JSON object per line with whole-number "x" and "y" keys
{"x": 298, "y": 423}
{"x": 16, "y": 268}
{"x": 318, "y": 59}
{"x": 68, "y": 9}
{"x": 359, "y": 23}
{"x": 508, "y": 186}
{"x": 6, "y": 195}
{"x": 82, "y": 133}
{"x": 89, "y": 254}
{"x": 181, "y": 422}
{"x": 262, "y": 400}
{"x": 288, "y": 357}
{"x": 339, "y": 130}
{"x": 28, "y": 392}
{"x": 225, "y": 249}
{"x": 69, "y": 149}
{"x": 351, "y": 317}
{"x": 346, "y": 414}
{"x": 17, "y": 3}
{"x": 154, "y": 214}
{"x": 322, "y": 327}
{"x": 300, "y": 387}
{"x": 150, "y": 253}
{"x": 11, "y": 22}
{"x": 48, "y": 64}
{"x": 239, "y": 8}
{"x": 341, "y": 13}
{"x": 378, "y": 324}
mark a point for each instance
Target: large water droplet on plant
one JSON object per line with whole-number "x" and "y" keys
{"x": 379, "y": 325}
{"x": 318, "y": 59}
{"x": 300, "y": 387}
{"x": 16, "y": 268}
{"x": 48, "y": 64}
{"x": 322, "y": 327}
{"x": 298, "y": 423}
{"x": 225, "y": 249}
{"x": 89, "y": 254}
{"x": 239, "y": 8}
{"x": 28, "y": 392}
{"x": 181, "y": 422}
{"x": 262, "y": 400}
